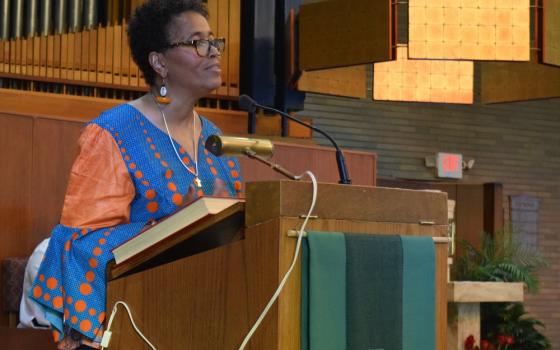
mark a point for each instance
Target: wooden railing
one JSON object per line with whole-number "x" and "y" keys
{"x": 100, "y": 57}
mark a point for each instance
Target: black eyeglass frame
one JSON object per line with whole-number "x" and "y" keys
{"x": 218, "y": 43}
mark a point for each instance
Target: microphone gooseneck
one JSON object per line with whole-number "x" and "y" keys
{"x": 248, "y": 104}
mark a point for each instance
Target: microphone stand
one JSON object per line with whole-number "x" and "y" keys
{"x": 253, "y": 155}
{"x": 342, "y": 171}
{"x": 252, "y": 121}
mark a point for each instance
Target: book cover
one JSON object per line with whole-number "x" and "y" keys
{"x": 188, "y": 215}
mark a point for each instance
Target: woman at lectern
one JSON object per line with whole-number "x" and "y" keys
{"x": 137, "y": 162}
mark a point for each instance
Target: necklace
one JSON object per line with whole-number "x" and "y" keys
{"x": 196, "y": 180}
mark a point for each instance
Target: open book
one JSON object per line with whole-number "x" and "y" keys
{"x": 198, "y": 210}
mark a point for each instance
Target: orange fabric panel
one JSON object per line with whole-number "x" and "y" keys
{"x": 100, "y": 189}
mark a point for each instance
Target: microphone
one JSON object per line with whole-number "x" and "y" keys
{"x": 257, "y": 149}
{"x": 220, "y": 145}
{"x": 248, "y": 104}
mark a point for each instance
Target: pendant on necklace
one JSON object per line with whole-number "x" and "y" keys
{"x": 197, "y": 182}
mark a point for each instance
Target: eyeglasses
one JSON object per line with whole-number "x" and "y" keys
{"x": 203, "y": 45}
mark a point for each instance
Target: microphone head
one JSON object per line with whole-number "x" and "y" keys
{"x": 214, "y": 145}
{"x": 246, "y": 103}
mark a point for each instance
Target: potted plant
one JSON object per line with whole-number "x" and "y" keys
{"x": 501, "y": 258}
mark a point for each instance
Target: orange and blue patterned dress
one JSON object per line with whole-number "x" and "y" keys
{"x": 126, "y": 175}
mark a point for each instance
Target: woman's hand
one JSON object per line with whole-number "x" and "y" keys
{"x": 220, "y": 188}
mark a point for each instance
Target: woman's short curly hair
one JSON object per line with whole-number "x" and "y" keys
{"x": 148, "y": 29}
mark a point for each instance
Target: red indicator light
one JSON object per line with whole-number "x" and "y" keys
{"x": 451, "y": 162}
{"x": 450, "y": 165}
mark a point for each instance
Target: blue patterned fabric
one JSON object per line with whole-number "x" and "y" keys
{"x": 71, "y": 280}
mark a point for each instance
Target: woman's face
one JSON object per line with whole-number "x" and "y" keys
{"x": 187, "y": 72}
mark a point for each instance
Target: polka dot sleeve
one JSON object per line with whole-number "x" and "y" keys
{"x": 100, "y": 189}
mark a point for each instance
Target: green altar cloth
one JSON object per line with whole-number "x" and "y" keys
{"x": 368, "y": 292}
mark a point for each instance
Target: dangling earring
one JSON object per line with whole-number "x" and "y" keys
{"x": 162, "y": 98}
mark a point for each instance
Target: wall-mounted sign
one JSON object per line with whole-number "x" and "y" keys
{"x": 525, "y": 219}
{"x": 450, "y": 165}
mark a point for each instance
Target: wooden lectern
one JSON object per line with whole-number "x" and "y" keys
{"x": 209, "y": 299}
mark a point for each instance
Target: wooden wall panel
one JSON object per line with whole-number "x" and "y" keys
{"x": 319, "y": 160}
{"x": 101, "y": 40}
{"x": 233, "y": 46}
{"x": 16, "y": 135}
{"x": 50, "y": 55}
{"x": 477, "y": 207}
{"x": 85, "y": 54}
{"x": 516, "y": 81}
{"x": 64, "y": 56}
{"x": 551, "y": 32}
{"x": 117, "y": 55}
{"x": 54, "y": 150}
{"x": 125, "y": 58}
{"x": 222, "y": 30}
{"x": 493, "y": 207}
{"x": 57, "y": 48}
{"x": 53, "y": 105}
{"x": 470, "y": 214}
{"x": 24, "y": 58}
{"x": 470, "y": 211}
{"x": 78, "y": 108}
{"x": 2, "y": 44}
{"x": 36, "y": 339}
{"x": 345, "y": 81}
{"x": 12, "y": 57}
{"x": 77, "y": 66}
{"x": 212, "y": 6}
{"x": 43, "y": 56}
{"x": 356, "y": 32}
{"x": 207, "y": 323}
{"x": 109, "y": 54}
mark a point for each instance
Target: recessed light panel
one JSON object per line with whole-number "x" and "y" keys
{"x": 423, "y": 80}
{"x": 469, "y": 29}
